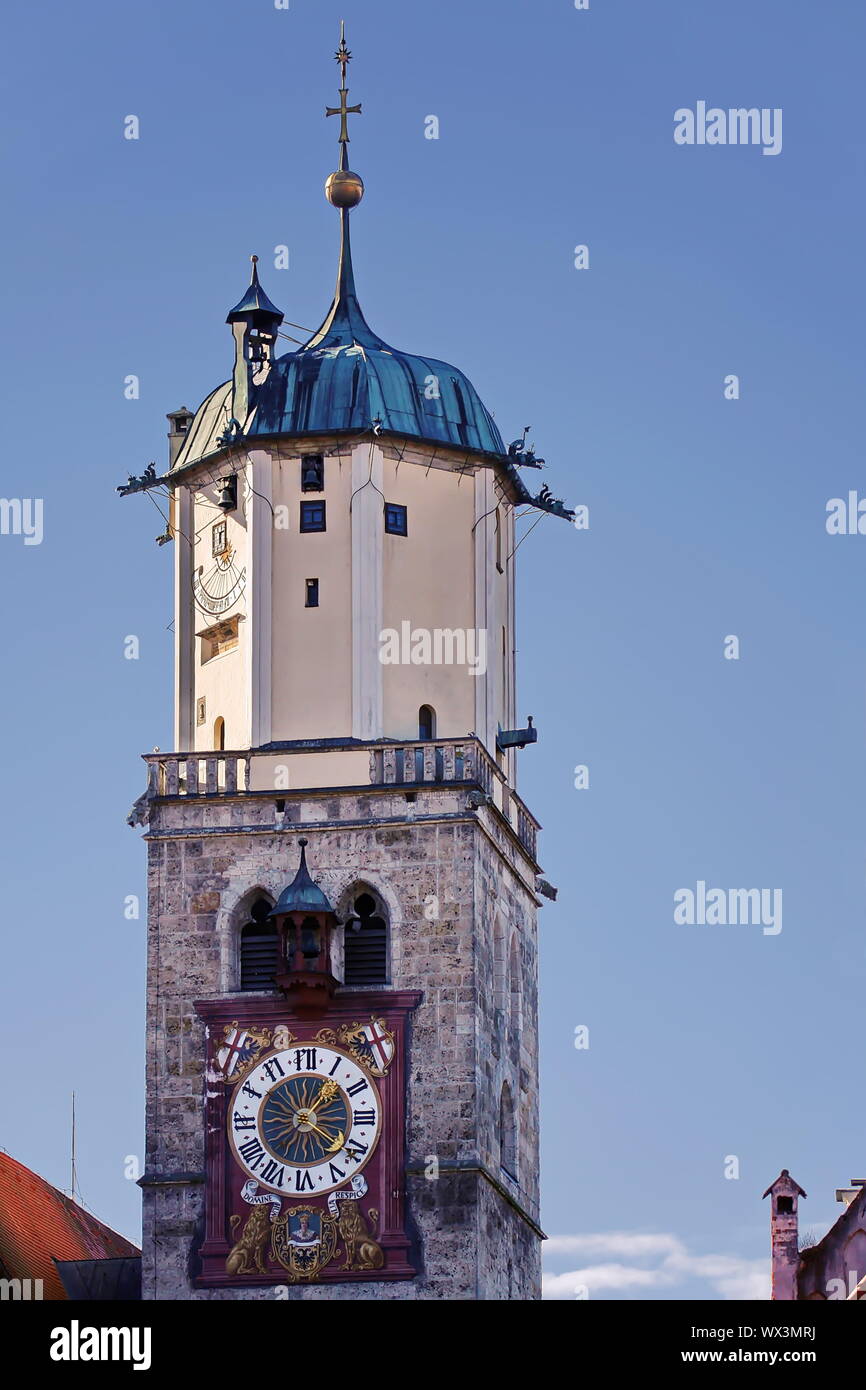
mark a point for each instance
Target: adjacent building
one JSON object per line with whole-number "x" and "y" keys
{"x": 831, "y": 1268}
{"x": 51, "y": 1248}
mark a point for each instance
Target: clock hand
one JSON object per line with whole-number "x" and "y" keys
{"x": 334, "y": 1145}
{"x": 327, "y": 1091}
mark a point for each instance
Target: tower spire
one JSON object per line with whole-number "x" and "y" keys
{"x": 344, "y": 189}
{"x": 345, "y": 323}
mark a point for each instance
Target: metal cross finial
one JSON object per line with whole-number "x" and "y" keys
{"x": 344, "y": 110}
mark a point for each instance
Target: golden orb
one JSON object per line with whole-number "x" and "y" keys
{"x": 343, "y": 189}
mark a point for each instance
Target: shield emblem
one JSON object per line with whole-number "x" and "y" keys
{"x": 303, "y": 1240}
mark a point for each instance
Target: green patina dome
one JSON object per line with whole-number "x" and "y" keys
{"x": 302, "y": 894}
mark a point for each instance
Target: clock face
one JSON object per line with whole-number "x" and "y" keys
{"x": 218, "y": 588}
{"x": 305, "y": 1120}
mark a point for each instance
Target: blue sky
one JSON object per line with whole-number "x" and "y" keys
{"x": 707, "y": 518}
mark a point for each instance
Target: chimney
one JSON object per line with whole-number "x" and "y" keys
{"x": 785, "y": 1254}
{"x": 179, "y": 422}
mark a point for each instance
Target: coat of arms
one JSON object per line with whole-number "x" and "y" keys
{"x": 242, "y": 1047}
{"x": 371, "y": 1043}
{"x": 303, "y": 1240}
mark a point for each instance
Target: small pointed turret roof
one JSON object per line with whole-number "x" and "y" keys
{"x": 302, "y": 894}
{"x": 255, "y": 304}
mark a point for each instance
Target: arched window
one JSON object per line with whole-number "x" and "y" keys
{"x": 507, "y": 1133}
{"x": 219, "y": 734}
{"x": 258, "y": 948}
{"x": 426, "y": 723}
{"x": 365, "y": 943}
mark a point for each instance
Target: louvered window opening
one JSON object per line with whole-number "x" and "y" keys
{"x": 366, "y": 946}
{"x": 259, "y": 949}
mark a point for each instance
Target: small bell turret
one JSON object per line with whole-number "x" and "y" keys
{"x": 305, "y": 920}
{"x": 255, "y": 322}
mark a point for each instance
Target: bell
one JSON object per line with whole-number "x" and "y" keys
{"x": 228, "y": 498}
{"x": 311, "y": 474}
{"x": 260, "y": 348}
{"x": 309, "y": 941}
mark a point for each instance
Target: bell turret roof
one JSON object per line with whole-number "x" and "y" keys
{"x": 255, "y": 304}
{"x": 302, "y": 894}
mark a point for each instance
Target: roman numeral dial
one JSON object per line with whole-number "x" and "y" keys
{"x": 304, "y": 1119}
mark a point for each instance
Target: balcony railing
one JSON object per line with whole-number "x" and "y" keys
{"x": 314, "y": 765}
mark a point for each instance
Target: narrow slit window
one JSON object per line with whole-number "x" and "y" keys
{"x": 507, "y": 1133}
{"x": 312, "y": 593}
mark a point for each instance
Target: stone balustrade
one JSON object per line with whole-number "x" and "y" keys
{"x": 334, "y": 764}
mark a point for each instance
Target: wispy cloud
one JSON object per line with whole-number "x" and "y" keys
{"x": 638, "y": 1261}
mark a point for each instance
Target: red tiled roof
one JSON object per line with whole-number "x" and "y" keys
{"x": 39, "y": 1224}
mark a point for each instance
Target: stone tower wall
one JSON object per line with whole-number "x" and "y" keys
{"x": 458, "y": 888}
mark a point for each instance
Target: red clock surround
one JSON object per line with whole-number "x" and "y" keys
{"x": 254, "y": 1237}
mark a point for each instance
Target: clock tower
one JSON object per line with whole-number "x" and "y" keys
{"x": 342, "y": 1012}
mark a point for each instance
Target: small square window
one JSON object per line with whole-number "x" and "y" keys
{"x": 312, "y": 516}
{"x": 313, "y": 473}
{"x": 312, "y": 593}
{"x": 396, "y": 519}
{"x": 219, "y": 538}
